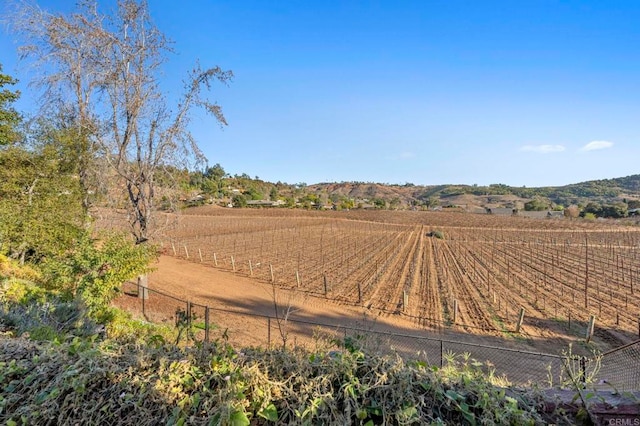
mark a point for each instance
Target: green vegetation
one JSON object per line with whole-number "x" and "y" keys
{"x": 9, "y": 117}
{"x": 70, "y": 371}
{"x": 537, "y": 204}
{"x": 106, "y": 382}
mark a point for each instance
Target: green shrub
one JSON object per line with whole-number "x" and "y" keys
{"x": 124, "y": 328}
{"x": 95, "y": 269}
{"x": 80, "y": 382}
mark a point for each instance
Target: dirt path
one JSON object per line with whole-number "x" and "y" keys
{"x": 242, "y": 295}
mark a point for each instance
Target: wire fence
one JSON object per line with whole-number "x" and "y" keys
{"x": 620, "y": 368}
{"x": 617, "y": 368}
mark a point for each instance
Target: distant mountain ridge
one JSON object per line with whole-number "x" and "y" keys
{"x": 495, "y": 195}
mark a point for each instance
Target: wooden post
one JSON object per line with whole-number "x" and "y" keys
{"x": 271, "y": 272}
{"x": 592, "y": 324}
{"x": 520, "y": 320}
{"x": 250, "y": 268}
{"x": 173, "y": 247}
{"x": 200, "y": 254}
{"x": 359, "y": 293}
{"x": 455, "y": 311}
{"x": 186, "y": 252}
{"x": 298, "y": 278}
{"x": 324, "y": 278}
{"x": 405, "y": 301}
{"x": 215, "y": 259}
{"x": 143, "y": 287}
{"x": 233, "y": 263}
{"x": 206, "y": 324}
{"x": 586, "y": 272}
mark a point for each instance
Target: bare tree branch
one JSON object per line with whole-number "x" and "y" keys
{"x": 104, "y": 70}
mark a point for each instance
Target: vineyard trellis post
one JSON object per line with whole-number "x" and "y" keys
{"x": 215, "y": 259}
{"x": 324, "y": 279}
{"x": 455, "y": 311}
{"x": 520, "y": 320}
{"x": 590, "y": 328}
{"x": 586, "y": 271}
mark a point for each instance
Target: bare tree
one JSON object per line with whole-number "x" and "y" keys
{"x": 103, "y": 72}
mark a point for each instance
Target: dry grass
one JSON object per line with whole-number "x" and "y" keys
{"x": 83, "y": 382}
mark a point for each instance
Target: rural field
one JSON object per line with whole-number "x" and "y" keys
{"x": 471, "y": 273}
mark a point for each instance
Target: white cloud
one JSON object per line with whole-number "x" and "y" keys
{"x": 592, "y": 146}
{"x": 543, "y": 149}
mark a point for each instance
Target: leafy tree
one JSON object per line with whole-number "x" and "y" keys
{"x": 290, "y": 202}
{"x": 215, "y": 173}
{"x": 432, "y": 202}
{"x": 9, "y": 117}
{"x": 537, "y": 204}
{"x": 615, "y": 210}
{"x": 379, "y": 203}
{"x": 239, "y": 200}
{"x": 40, "y": 210}
{"x": 593, "y": 209}
{"x": 273, "y": 194}
{"x": 253, "y": 194}
{"x": 94, "y": 272}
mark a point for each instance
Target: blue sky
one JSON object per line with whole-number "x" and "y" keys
{"x": 528, "y": 93}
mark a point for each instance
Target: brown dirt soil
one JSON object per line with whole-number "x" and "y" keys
{"x": 235, "y": 298}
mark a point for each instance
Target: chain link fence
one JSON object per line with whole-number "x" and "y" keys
{"x": 620, "y": 368}
{"x": 616, "y": 368}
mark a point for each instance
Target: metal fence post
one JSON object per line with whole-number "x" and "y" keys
{"x": 441, "y": 353}
{"x": 268, "y": 331}
{"x": 206, "y": 324}
{"x": 144, "y": 313}
{"x": 188, "y": 314}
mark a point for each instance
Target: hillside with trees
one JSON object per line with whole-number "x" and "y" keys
{"x": 603, "y": 198}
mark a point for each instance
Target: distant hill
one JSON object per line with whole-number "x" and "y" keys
{"x": 496, "y": 195}
{"x": 217, "y": 186}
